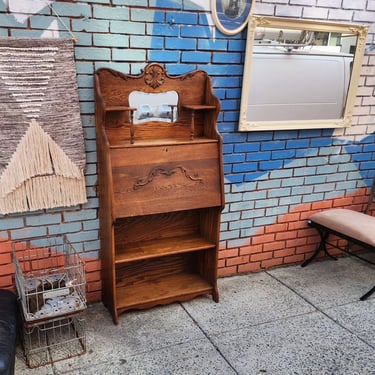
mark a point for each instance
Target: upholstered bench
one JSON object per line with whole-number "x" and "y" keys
{"x": 355, "y": 227}
{"x": 8, "y": 331}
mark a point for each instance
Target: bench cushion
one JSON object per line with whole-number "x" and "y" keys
{"x": 351, "y": 223}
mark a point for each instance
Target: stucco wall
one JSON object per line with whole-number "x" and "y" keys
{"x": 273, "y": 179}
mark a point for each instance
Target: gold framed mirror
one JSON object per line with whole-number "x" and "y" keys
{"x": 300, "y": 74}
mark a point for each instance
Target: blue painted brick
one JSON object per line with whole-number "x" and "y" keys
{"x": 131, "y": 28}
{"x": 95, "y": 26}
{"x": 321, "y": 142}
{"x": 140, "y": 3}
{"x": 367, "y": 165}
{"x": 82, "y": 39}
{"x": 235, "y": 178}
{"x": 43, "y": 219}
{"x": 110, "y": 40}
{"x": 180, "y": 43}
{"x": 347, "y": 167}
{"x": 317, "y": 161}
{"x": 334, "y": 150}
{"x": 83, "y": 236}
{"x": 226, "y": 82}
{"x": 229, "y": 235}
{"x": 286, "y": 134}
{"x": 227, "y": 58}
{"x": 111, "y": 13}
{"x": 29, "y": 232}
{"x": 230, "y": 116}
{"x": 142, "y": 41}
{"x": 44, "y": 22}
{"x": 276, "y": 211}
{"x": 281, "y": 173}
{"x": 257, "y": 156}
{"x": 64, "y": 228}
{"x": 246, "y": 147}
{"x": 291, "y": 200}
{"x": 263, "y": 221}
{"x": 297, "y": 143}
{"x": 11, "y": 222}
{"x": 312, "y": 197}
{"x": 195, "y": 31}
{"x": 313, "y": 180}
{"x": 8, "y": 20}
{"x": 293, "y": 181}
{"x": 266, "y": 203}
{"x": 233, "y": 158}
{"x": 324, "y": 188}
{"x": 79, "y": 215}
{"x": 326, "y": 169}
{"x": 162, "y": 30}
{"x": 128, "y": 55}
{"x": 234, "y": 138}
{"x": 182, "y": 18}
{"x": 236, "y": 45}
{"x": 164, "y": 4}
{"x": 336, "y": 177}
{"x": 269, "y": 184}
{"x": 269, "y": 165}
{"x": 255, "y": 195}
{"x": 244, "y": 167}
{"x": 307, "y": 152}
{"x": 276, "y": 193}
{"x": 146, "y": 15}
{"x": 195, "y": 56}
{"x": 274, "y": 145}
{"x": 338, "y": 159}
{"x": 211, "y": 45}
{"x": 164, "y": 56}
{"x": 302, "y": 190}
{"x": 284, "y": 154}
{"x": 308, "y": 171}
{"x": 72, "y": 10}
{"x": 229, "y": 105}
{"x": 362, "y": 157}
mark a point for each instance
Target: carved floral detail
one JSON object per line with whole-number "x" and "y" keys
{"x": 154, "y": 76}
{"x": 157, "y": 171}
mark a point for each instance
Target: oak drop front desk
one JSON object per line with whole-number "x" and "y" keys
{"x": 160, "y": 187}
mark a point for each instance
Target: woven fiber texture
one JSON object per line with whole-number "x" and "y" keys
{"x": 42, "y": 155}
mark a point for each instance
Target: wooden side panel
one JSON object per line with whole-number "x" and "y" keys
{"x": 165, "y": 178}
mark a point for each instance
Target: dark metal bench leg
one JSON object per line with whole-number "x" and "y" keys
{"x": 322, "y": 247}
{"x": 368, "y": 294}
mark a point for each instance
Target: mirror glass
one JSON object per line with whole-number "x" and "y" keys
{"x": 154, "y": 107}
{"x": 300, "y": 74}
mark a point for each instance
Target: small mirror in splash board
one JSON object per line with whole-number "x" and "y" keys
{"x": 300, "y": 74}
{"x": 161, "y": 106}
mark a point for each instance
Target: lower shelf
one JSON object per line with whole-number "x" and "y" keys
{"x": 172, "y": 288}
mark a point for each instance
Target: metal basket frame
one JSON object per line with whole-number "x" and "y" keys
{"x": 50, "y": 278}
{"x": 54, "y": 340}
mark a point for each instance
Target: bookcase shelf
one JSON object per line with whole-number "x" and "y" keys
{"x": 160, "y": 188}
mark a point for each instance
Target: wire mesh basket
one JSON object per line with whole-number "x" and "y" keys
{"x": 50, "y": 278}
{"x": 54, "y": 340}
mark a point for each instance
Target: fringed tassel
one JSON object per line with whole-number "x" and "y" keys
{"x": 40, "y": 175}
{"x": 45, "y": 192}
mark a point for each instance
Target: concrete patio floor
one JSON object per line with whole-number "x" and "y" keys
{"x": 289, "y": 320}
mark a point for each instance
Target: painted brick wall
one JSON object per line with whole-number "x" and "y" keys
{"x": 273, "y": 179}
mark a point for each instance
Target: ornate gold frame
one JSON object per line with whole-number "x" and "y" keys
{"x": 300, "y": 24}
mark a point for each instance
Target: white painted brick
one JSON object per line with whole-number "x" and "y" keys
{"x": 329, "y": 3}
{"x": 354, "y": 4}
{"x": 340, "y": 15}
{"x": 302, "y": 2}
{"x": 295, "y": 11}
{"x": 315, "y": 13}
{"x": 364, "y": 16}
{"x": 371, "y": 5}
{"x": 264, "y": 9}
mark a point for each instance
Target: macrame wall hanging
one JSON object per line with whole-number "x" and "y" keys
{"x": 42, "y": 155}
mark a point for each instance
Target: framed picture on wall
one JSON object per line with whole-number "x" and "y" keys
{"x": 231, "y": 16}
